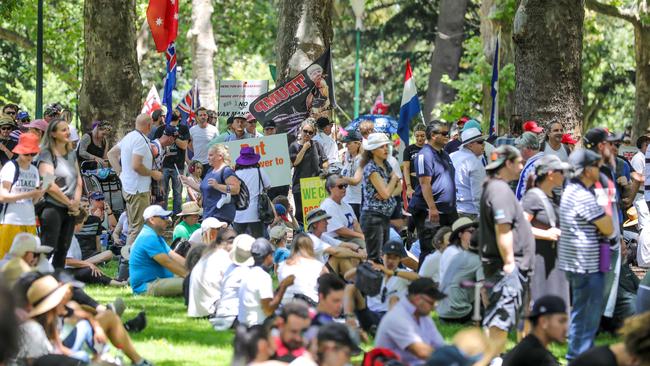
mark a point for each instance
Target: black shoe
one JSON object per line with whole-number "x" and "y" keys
{"x": 136, "y": 324}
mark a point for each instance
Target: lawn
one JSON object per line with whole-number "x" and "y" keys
{"x": 171, "y": 338}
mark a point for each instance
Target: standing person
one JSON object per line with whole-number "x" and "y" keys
{"x": 540, "y": 208}
{"x": 19, "y": 190}
{"x": 507, "y": 244}
{"x": 552, "y": 144}
{"x": 248, "y": 170}
{"x": 380, "y": 184}
{"x": 638, "y": 165}
{"x": 251, "y": 126}
{"x": 132, "y": 158}
{"x": 550, "y": 322}
{"x": 325, "y": 139}
{"x": 7, "y": 144}
{"x": 63, "y": 195}
{"x": 93, "y": 146}
{"x": 158, "y": 116}
{"x": 434, "y": 202}
{"x": 584, "y": 223}
{"x": 236, "y": 129}
{"x": 528, "y": 146}
{"x": 308, "y": 158}
{"x": 217, "y": 186}
{"x": 351, "y": 171}
{"x": 410, "y": 157}
{"x": 201, "y": 134}
{"x": 174, "y": 161}
{"x": 270, "y": 128}
{"x": 470, "y": 173}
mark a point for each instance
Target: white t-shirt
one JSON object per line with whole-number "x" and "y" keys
{"x": 74, "y": 251}
{"x": 200, "y": 139}
{"x": 232, "y": 281}
{"x": 394, "y": 164}
{"x": 431, "y": 266}
{"x": 395, "y": 286}
{"x": 252, "y": 181}
{"x": 33, "y": 342}
{"x": 342, "y": 215}
{"x": 197, "y": 236}
{"x": 446, "y": 257}
{"x": 205, "y": 283}
{"x": 561, "y": 153}
{"x": 258, "y": 285}
{"x": 135, "y": 143}
{"x": 350, "y": 166}
{"x": 322, "y": 244}
{"x": 20, "y": 212}
{"x": 329, "y": 146}
{"x": 307, "y": 271}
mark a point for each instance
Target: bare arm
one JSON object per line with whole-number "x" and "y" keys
{"x": 301, "y": 154}
{"x": 505, "y": 244}
{"x": 114, "y": 158}
{"x": 270, "y": 305}
{"x": 421, "y": 350}
{"x": 84, "y": 142}
{"x": 169, "y": 262}
{"x": 182, "y": 144}
{"x": 605, "y": 225}
{"x": 7, "y": 197}
{"x": 138, "y": 165}
{"x": 358, "y": 175}
{"x": 348, "y": 233}
{"x": 427, "y": 192}
{"x": 383, "y": 190}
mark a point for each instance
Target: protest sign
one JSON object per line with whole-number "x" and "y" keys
{"x": 274, "y": 154}
{"x": 312, "y": 191}
{"x": 308, "y": 94}
{"x": 235, "y": 96}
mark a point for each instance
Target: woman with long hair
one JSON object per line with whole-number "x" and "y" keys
{"x": 248, "y": 170}
{"x": 195, "y": 168}
{"x": 303, "y": 264}
{"x": 217, "y": 186}
{"x": 93, "y": 146}
{"x": 352, "y": 172}
{"x": 63, "y": 196}
{"x": 380, "y": 184}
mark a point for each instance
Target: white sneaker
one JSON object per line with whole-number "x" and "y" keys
{"x": 225, "y": 198}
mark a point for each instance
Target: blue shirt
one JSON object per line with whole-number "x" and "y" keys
{"x": 370, "y": 202}
{"x": 529, "y": 168}
{"x": 142, "y": 267}
{"x": 211, "y": 196}
{"x": 438, "y": 166}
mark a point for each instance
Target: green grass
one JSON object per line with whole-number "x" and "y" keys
{"x": 171, "y": 338}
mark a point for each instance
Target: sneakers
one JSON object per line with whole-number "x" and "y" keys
{"x": 225, "y": 198}
{"x": 143, "y": 362}
{"x": 136, "y": 324}
{"x": 117, "y": 306}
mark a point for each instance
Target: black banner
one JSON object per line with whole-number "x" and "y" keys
{"x": 308, "y": 94}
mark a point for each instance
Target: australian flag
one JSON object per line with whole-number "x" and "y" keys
{"x": 170, "y": 80}
{"x": 189, "y": 104}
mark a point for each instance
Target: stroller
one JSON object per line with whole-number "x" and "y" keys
{"x": 105, "y": 180}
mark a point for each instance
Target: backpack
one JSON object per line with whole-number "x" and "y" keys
{"x": 243, "y": 198}
{"x": 4, "y": 206}
{"x": 368, "y": 280}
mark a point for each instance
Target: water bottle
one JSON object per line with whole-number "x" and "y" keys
{"x": 103, "y": 238}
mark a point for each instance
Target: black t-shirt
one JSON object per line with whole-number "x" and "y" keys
{"x": 410, "y": 155}
{"x": 10, "y": 144}
{"x": 175, "y": 155}
{"x": 596, "y": 356}
{"x": 87, "y": 236}
{"x": 530, "y": 352}
{"x": 453, "y": 146}
{"x": 309, "y": 166}
{"x": 500, "y": 206}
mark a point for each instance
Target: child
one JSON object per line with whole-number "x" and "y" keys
{"x": 278, "y": 235}
{"x": 284, "y": 213}
{"x": 196, "y": 171}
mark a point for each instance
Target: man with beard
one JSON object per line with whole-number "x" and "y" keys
{"x": 237, "y": 129}
{"x": 292, "y": 323}
{"x": 552, "y": 144}
{"x": 201, "y": 134}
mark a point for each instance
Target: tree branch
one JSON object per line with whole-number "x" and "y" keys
{"x": 613, "y": 11}
{"x": 23, "y": 42}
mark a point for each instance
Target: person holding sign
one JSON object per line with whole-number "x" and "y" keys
{"x": 308, "y": 158}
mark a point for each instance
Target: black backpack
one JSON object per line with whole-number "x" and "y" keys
{"x": 368, "y": 280}
{"x": 243, "y": 198}
{"x": 3, "y": 206}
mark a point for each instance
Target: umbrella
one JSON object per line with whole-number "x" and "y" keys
{"x": 383, "y": 123}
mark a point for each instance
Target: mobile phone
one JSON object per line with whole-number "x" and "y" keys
{"x": 48, "y": 179}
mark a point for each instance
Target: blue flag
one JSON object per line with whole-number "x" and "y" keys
{"x": 170, "y": 80}
{"x": 494, "y": 113}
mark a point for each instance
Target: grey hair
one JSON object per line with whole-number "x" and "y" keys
{"x": 331, "y": 182}
{"x": 309, "y": 122}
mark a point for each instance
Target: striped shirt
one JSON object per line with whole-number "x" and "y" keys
{"x": 647, "y": 175}
{"x": 578, "y": 248}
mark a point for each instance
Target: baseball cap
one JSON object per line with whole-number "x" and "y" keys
{"x": 280, "y": 209}
{"x": 549, "y": 304}
{"x": 425, "y": 286}
{"x": 155, "y": 210}
{"x": 270, "y": 124}
{"x": 249, "y": 117}
{"x": 97, "y": 196}
{"x": 582, "y": 158}
{"x": 597, "y": 135}
{"x": 394, "y": 247}
{"x": 278, "y": 232}
{"x": 500, "y": 155}
{"x": 340, "y": 334}
{"x": 212, "y": 223}
{"x": 531, "y": 126}
{"x": 261, "y": 248}
{"x": 549, "y": 163}
{"x": 527, "y": 139}
{"x": 171, "y": 130}
{"x": 352, "y": 136}
{"x": 568, "y": 139}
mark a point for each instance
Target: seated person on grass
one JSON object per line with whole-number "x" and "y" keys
{"x": 189, "y": 221}
{"x": 208, "y": 231}
{"x": 152, "y": 263}
{"x": 344, "y": 224}
{"x": 370, "y": 309}
{"x": 99, "y": 207}
{"x": 91, "y": 229}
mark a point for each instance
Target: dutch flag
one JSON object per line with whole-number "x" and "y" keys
{"x": 410, "y": 106}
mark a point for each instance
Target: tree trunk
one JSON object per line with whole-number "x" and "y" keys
{"x": 447, "y": 50}
{"x": 642, "y": 58}
{"x": 111, "y": 88}
{"x": 143, "y": 40}
{"x": 548, "y": 59}
{"x": 203, "y": 48}
{"x": 304, "y": 33}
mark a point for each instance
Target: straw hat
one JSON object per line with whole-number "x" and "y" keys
{"x": 632, "y": 217}
{"x": 45, "y": 294}
{"x": 190, "y": 208}
{"x": 13, "y": 269}
{"x": 459, "y": 225}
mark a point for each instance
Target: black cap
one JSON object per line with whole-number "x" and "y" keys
{"x": 340, "y": 334}
{"x": 322, "y": 122}
{"x": 425, "y": 286}
{"x": 230, "y": 120}
{"x": 597, "y": 135}
{"x": 261, "y": 248}
{"x": 395, "y": 247}
{"x": 582, "y": 158}
{"x": 171, "y": 130}
{"x": 352, "y": 136}
{"x": 269, "y": 124}
{"x": 549, "y": 304}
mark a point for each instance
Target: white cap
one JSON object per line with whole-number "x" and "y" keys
{"x": 25, "y": 242}
{"x": 212, "y": 223}
{"x": 155, "y": 210}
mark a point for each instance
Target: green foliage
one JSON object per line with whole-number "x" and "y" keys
{"x": 504, "y": 11}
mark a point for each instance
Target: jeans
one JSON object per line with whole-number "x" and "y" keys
{"x": 588, "y": 302}
{"x": 643, "y": 299}
{"x": 82, "y": 335}
{"x": 57, "y": 228}
{"x": 254, "y": 229}
{"x": 375, "y": 228}
{"x": 177, "y": 188}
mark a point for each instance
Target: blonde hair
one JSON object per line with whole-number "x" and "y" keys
{"x": 302, "y": 246}
{"x": 222, "y": 150}
{"x": 47, "y": 141}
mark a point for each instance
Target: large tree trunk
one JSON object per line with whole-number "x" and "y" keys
{"x": 548, "y": 59}
{"x": 642, "y": 58}
{"x": 111, "y": 89}
{"x": 447, "y": 50}
{"x": 304, "y": 33}
{"x": 203, "y": 48}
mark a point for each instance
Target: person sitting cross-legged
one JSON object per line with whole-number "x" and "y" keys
{"x": 189, "y": 217}
{"x": 344, "y": 224}
{"x": 369, "y": 310}
{"x": 152, "y": 263}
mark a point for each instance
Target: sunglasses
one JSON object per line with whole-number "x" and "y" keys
{"x": 480, "y": 142}
{"x": 444, "y": 133}
{"x": 12, "y": 113}
{"x": 309, "y": 132}
{"x": 230, "y": 239}
{"x": 342, "y": 186}
{"x": 5, "y": 128}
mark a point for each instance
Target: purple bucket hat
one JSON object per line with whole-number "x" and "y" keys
{"x": 247, "y": 156}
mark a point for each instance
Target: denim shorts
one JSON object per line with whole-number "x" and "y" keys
{"x": 505, "y": 299}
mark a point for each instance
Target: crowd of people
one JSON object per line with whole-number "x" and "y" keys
{"x": 523, "y": 233}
